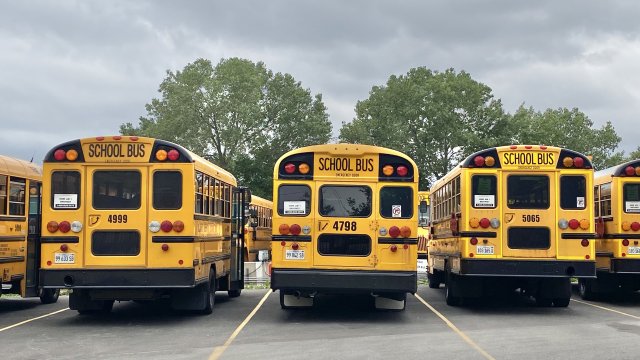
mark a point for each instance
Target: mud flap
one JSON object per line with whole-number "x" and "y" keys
{"x": 189, "y": 299}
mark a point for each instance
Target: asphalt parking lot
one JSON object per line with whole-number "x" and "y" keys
{"x": 254, "y": 327}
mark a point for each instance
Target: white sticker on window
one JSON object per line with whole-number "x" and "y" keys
{"x": 396, "y": 210}
{"x": 295, "y": 207}
{"x": 632, "y": 206}
{"x": 483, "y": 201}
{"x": 580, "y": 201}
{"x": 65, "y": 201}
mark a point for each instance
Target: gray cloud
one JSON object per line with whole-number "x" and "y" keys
{"x": 76, "y": 68}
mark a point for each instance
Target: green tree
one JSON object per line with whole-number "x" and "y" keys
{"x": 238, "y": 114}
{"x": 570, "y": 129}
{"x": 437, "y": 118}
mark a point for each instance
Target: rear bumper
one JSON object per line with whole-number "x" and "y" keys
{"x": 344, "y": 280}
{"x": 117, "y": 278}
{"x": 625, "y": 266}
{"x": 528, "y": 268}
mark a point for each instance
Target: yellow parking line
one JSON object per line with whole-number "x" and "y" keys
{"x": 219, "y": 350}
{"x": 606, "y": 308}
{"x": 455, "y": 329}
{"x": 34, "y": 319}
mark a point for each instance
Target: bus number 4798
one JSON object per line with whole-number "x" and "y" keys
{"x": 344, "y": 225}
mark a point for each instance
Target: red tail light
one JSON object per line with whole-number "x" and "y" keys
{"x": 178, "y": 226}
{"x": 64, "y": 226}
{"x": 394, "y": 231}
{"x": 165, "y": 247}
{"x": 289, "y": 168}
{"x": 295, "y": 229}
{"x": 60, "y": 155}
{"x": 295, "y": 246}
{"x": 402, "y": 170}
{"x": 283, "y": 229}
{"x": 485, "y": 223}
{"x": 625, "y": 242}
{"x": 173, "y": 154}
{"x": 578, "y": 162}
{"x": 635, "y": 226}
{"x": 474, "y": 241}
{"x": 166, "y": 226}
{"x": 52, "y": 226}
{"x": 64, "y": 247}
{"x": 574, "y": 224}
{"x": 478, "y": 161}
{"x": 393, "y": 248}
{"x": 584, "y": 242}
{"x": 630, "y": 171}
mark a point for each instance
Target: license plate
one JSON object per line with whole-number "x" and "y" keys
{"x": 634, "y": 250}
{"x": 484, "y": 250}
{"x": 64, "y": 258}
{"x": 294, "y": 255}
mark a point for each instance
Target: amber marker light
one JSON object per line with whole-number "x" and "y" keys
{"x": 304, "y": 168}
{"x": 489, "y": 161}
{"x": 161, "y": 155}
{"x": 72, "y": 155}
{"x": 387, "y": 170}
{"x": 567, "y": 162}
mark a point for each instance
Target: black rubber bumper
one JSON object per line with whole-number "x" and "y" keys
{"x": 528, "y": 268}
{"x": 344, "y": 281}
{"x": 117, "y": 279}
{"x": 630, "y": 266}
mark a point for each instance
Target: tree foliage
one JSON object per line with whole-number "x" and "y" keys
{"x": 437, "y": 118}
{"x": 238, "y": 114}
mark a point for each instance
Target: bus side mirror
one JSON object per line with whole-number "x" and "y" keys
{"x": 423, "y": 206}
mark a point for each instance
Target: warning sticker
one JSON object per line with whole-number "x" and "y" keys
{"x": 484, "y": 201}
{"x": 396, "y": 210}
{"x": 65, "y": 201}
{"x": 632, "y": 206}
{"x": 580, "y": 202}
{"x": 295, "y": 207}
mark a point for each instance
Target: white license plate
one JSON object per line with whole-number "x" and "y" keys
{"x": 64, "y": 258}
{"x": 484, "y": 250}
{"x": 634, "y": 250}
{"x": 294, "y": 255}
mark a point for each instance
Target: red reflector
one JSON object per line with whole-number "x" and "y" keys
{"x": 61, "y": 155}
{"x": 629, "y": 170}
{"x": 180, "y": 262}
{"x": 578, "y": 162}
{"x": 393, "y": 248}
{"x": 471, "y": 255}
{"x": 165, "y": 247}
{"x": 473, "y": 241}
{"x": 402, "y": 170}
{"x": 64, "y": 226}
{"x": 485, "y": 223}
{"x": 574, "y": 224}
{"x": 64, "y": 247}
{"x": 289, "y": 168}
{"x": 625, "y": 242}
{"x": 295, "y": 229}
{"x": 394, "y": 231}
{"x": 405, "y": 246}
{"x": 584, "y": 242}
{"x": 479, "y": 161}
{"x": 623, "y": 255}
{"x": 295, "y": 246}
{"x": 283, "y": 243}
{"x": 589, "y": 257}
{"x": 49, "y": 262}
{"x": 166, "y": 226}
{"x": 173, "y": 154}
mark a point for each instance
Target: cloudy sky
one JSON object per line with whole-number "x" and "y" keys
{"x": 72, "y": 69}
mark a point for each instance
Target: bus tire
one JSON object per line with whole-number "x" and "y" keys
{"x": 543, "y": 301}
{"x": 450, "y": 298}
{"x": 49, "y": 296}
{"x": 585, "y": 289}
{"x": 561, "y": 302}
{"x": 209, "y": 290}
{"x": 432, "y": 279}
{"x": 234, "y": 293}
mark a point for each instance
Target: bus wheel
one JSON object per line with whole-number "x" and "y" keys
{"x": 234, "y": 293}
{"x": 585, "y": 289}
{"x": 210, "y": 292}
{"x": 543, "y": 302}
{"x": 433, "y": 280}
{"x": 451, "y": 299}
{"x": 49, "y": 296}
{"x": 561, "y": 302}
{"x": 289, "y": 300}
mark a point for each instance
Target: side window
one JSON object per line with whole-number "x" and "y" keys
{"x": 294, "y": 200}
{"x": 484, "y": 191}
{"x": 167, "y": 190}
{"x": 65, "y": 190}
{"x": 3, "y": 194}
{"x": 198, "y": 186}
{"x": 17, "y": 196}
{"x": 573, "y": 190}
{"x": 605, "y": 199}
{"x": 596, "y": 200}
{"x": 396, "y": 202}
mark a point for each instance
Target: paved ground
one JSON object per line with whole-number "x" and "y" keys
{"x": 337, "y": 327}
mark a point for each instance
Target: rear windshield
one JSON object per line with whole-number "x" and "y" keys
{"x": 528, "y": 192}
{"x": 631, "y": 198}
{"x": 396, "y": 202}
{"x": 573, "y": 190}
{"x": 65, "y": 190}
{"x": 345, "y": 201}
{"x": 116, "y": 190}
{"x": 294, "y": 200}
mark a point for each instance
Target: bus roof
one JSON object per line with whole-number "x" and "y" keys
{"x": 257, "y": 200}
{"x": 151, "y": 146}
{"x": 617, "y": 170}
{"x": 16, "y": 167}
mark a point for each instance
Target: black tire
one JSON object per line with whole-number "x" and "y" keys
{"x": 210, "y": 289}
{"x": 561, "y": 302}
{"x": 585, "y": 289}
{"x": 49, "y": 296}
{"x": 433, "y": 282}
{"x": 451, "y": 299}
{"x": 544, "y": 302}
{"x": 235, "y": 293}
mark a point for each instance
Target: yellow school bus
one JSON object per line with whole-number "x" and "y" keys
{"x": 424, "y": 232}
{"x": 345, "y": 223}
{"x": 511, "y": 217}
{"x": 20, "y": 186}
{"x": 258, "y": 230}
{"x": 135, "y": 218}
{"x": 617, "y": 215}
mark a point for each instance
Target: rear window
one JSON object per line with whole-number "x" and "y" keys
{"x": 631, "y": 198}
{"x": 65, "y": 190}
{"x": 294, "y": 200}
{"x": 167, "y": 190}
{"x": 528, "y": 192}
{"x": 573, "y": 191}
{"x": 396, "y": 202}
{"x": 345, "y": 201}
{"x": 116, "y": 190}
{"x": 484, "y": 188}
{"x": 17, "y": 192}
